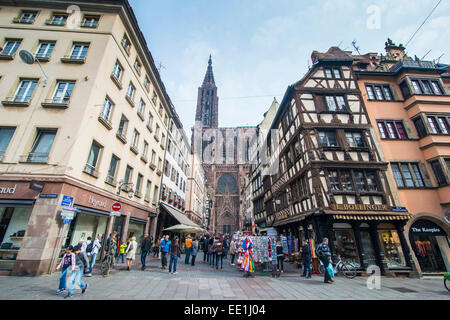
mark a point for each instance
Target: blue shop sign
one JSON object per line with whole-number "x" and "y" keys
{"x": 48, "y": 196}
{"x": 67, "y": 201}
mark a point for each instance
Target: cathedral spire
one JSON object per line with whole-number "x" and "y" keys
{"x": 209, "y": 76}
{"x": 207, "y": 102}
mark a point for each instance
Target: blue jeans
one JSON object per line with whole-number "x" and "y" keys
{"x": 62, "y": 279}
{"x": 76, "y": 276}
{"x": 91, "y": 264}
{"x": 174, "y": 260}
{"x": 188, "y": 254}
{"x": 307, "y": 267}
{"x": 143, "y": 257}
{"x": 121, "y": 255}
{"x": 219, "y": 257}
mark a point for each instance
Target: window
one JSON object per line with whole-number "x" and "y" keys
{"x": 27, "y": 17}
{"x": 407, "y": 175}
{"x": 159, "y": 163}
{"x": 150, "y": 120}
{"x": 25, "y": 90}
{"x": 152, "y": 160}
{"x": 90, "y": 21}
{"x": 79, "y": 51}
{"x": 163, "y": 139}
{"x": 336, "y": 103}
{"x": 155, "y": 195}
{"x": 135, "y": 139}
{"x": 391, "y": 129}
{"x": 126, "y": 44}
{"x": 157, "y": 131}
{"x": 160, "y": 110}
{"x": 438, "y": 173}
{"x": 131, "y": 91}
{"x": 333, "y": 73}
{"x": 94, "y": 155}
{"x": 147, "y": 83}
{"x": 145, "y": 150}
{"x": 112, "y": 169}
{"x": 10, "y": 47}
{"x": 44, "y": 50}
{"x": 426, "y": 86}
{"x": 63, "y": 92}
{"x": 138, "y": 66}
{"x": 107, "y": 109}
{"x": 58, "y": 19}
{"x": 118, "y": 70}
{"x": 379, "y": 92}
{"x": 439, "y": 124}
{"x": 6, "y": 135}
{"x": 141, "y": 107}
{"x": 139, "y": 185}
{"x": 123, "y": 125}
{"x": 355, "y": 139}
{"x": 328, "y": 138}
{"x": 341, "y": 180}
{"x": 154, "y": 97}
{"x": 128, "y": 174}
{"x": 147, "y": 191}
{"x": 42, "y": 145}
{"x": 166, "y": 119}
{"x": 420, "y": 127}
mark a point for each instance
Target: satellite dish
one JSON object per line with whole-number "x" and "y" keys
{"x": 26, "y": 57}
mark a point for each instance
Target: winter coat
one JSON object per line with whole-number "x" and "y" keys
{"x": 146, "y": 245}
{"x": 232, "y": 247}
{"x": 306, "y": 253}
{"x": 131, "y": 250}
{"x": 194, "y": 248}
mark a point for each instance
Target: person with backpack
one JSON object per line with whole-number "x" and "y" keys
{"x": 77, "y": 273}
{"x": 84, "y": 246}
{"x": 324, "y": 254}
{"x": 165, "y": 248}
{"x": 67, "y": 261}
{"x": 92, "y": 252}
{"x": 219, "y": 254}
{"x": 213, "y": 251}
{"x": 175, "y": 253}
{"x": 306, "y": 258}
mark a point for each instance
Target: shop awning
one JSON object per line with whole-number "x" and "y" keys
{"x": 92, "y": 211}
{"x": 290, "y": 220}
{"x": 369, "y": 216}
{"x": 180, "y": 217}
{"x": 16, "y": 203}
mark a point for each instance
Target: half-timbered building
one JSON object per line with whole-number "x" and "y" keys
{"x": 331, "y": 180}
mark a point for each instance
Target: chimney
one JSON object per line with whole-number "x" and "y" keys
{"x": 394, "y": 52}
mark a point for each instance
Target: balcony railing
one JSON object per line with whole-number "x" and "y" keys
{"x": 23, "y": 20}
{"x": 35, "y": 158}
{"x": 110, "y": 180}
{"x": 56, "y": 103}
{"x": 7, "y": 56}
{"x": 16, "y": 102}
{"x": 52, "y": 22}
{"x": 43, "y": 57}
{"x": 73, "y": 59}
{"x": 91, "y": 170}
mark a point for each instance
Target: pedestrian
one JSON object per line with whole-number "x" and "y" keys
{"x": 175, "y": 253}
{"x": 324, "y": 254}
{"x": 131, "y": 252}
{"x": 156, "y": 249}
{"x": 84, "y": 247}
{"x": 68, "y": 260}
{"x": 213, "y": 253}
{"x": 165, "y": 248}
{"x": 280, "y": 257}
{"x": 194, "y": 250}
{"x": 122, "y": 249}
{"x": 146, "y": 246}
{"x": 205, "y": 249}
{"x": 77, "y": 273}
{"x": 93, "y": 252}
{"x": 188, "y": 249}
{"x": 306, "y": 258}
{"x": 219, "y": 254}
{"x": 232, "y": 251}
{"x": 151, "y": 246}
{"x": 111, "y": 248}
{"x": 226, "y": 247}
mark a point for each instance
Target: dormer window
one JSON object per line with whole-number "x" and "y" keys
{"x": 333, "y": 73}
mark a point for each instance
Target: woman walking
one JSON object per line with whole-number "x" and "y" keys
{"x": 174, "y": 255}
{"x": 194, "y": 250}
{"x": 232, "y": 251}
{"x": 131, "y": 252}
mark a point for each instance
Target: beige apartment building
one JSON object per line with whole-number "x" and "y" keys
{"x": 94, "y": 131}
{"x": 196, "y": 192}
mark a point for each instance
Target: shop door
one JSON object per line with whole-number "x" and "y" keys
{"x": 4, "y": 222}
{"x": 118, "y": 226}
{"x": 428, "y": 254}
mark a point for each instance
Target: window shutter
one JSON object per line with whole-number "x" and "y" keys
{"x": 319, "y": 102}
{"x": 425, "y": 175}
{"x": 408, "y": 129}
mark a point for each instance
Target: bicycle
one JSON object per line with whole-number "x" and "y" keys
{"x": 107, "y": 265}
{"x": 346, "y": 268}
{"x": 447, "y": 281}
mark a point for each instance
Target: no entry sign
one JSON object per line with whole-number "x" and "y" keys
{"x": 115, "y": 209}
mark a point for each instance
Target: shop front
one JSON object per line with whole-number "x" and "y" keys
{"x": 431, "y": 246}
{"x": 136, "y": 228}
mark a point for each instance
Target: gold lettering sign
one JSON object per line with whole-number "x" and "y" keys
{"x": 360, "y": 207}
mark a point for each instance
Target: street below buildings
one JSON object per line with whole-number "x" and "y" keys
{"x": 203, "y": 282}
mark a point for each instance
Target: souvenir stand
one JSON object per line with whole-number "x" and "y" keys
{"x": 262, "y": 251}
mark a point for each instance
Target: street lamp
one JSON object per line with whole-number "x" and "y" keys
{"x": 29, "y": 58}
{"x": 122, "y": 184}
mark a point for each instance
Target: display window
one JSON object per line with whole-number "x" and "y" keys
{"x": 345, "y": 243}
{"x": 428, "y": 253}
{"x": 13, "y": 224}
{"x": 392, "y": 248}
{"x": 136, "y": 230}
{"x": 367, "y": 246}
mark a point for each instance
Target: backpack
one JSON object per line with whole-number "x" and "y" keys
{"x": 89, "y": 247}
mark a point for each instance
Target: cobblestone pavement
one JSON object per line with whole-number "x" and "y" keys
{"x": 202, "y": 282}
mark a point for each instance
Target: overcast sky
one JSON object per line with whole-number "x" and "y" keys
{"x": 259, "y": 47}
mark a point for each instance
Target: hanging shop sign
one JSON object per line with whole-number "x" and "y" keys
{"x": 424, "y": 227}
{"x": 360, "y": 207}
{"x": 36, "y": 185}
{"x": 8, "y": 190}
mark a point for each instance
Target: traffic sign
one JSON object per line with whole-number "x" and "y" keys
{"x": 116, "y": 207}
{"x": 67, "y": 201}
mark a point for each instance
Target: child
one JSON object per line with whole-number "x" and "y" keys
{"x": 77, "y": 273}
{"x": 67, "y": 261}
{"x": 123, "y": 247}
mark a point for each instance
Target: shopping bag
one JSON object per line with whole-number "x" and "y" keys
{"x": 330, "y": 270}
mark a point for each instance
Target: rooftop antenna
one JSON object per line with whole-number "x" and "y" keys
{"x": 309, "y": 65}
{"x": 438, "y": 59}
{"x": 339, "y": 45}
{"x": 161, "y": 66}
{"x": 425, "y": 54}
{"x": 356, "y": 47}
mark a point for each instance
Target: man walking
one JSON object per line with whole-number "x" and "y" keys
{"x": 146, "y": 246}
{"x": 306, "y": 257}
{"x": 205, "y": 249}
{"x": 194, "y": 250}
{"x": 188, "y": 249}
{"x": 324, "y": 254}
{"x": 93, "y": 253}
{"x": 77, "y": 273}
{"x": 165, "y": 248}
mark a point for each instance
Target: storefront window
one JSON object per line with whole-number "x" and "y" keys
{"x": 13, "y": 224}
{"x": 392, "y": 249}
{"x": 367, "y": 246}
{"x": 136, "y": 230}
{"x": 345, "y": 243}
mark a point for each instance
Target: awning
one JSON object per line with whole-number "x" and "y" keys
{"x": 290, "y": 220}
{"x": 16, "y": 203}
{"x": 369, "y": 216}
{"x": 181, "y": 218}
{"x": 92, "y": 211}
{"x": 137, "y": 220}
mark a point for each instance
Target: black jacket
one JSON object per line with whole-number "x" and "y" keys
{"x": 306, "y": 253}
{"x": 323, "y": 251}
{"x": 146, "y": 245}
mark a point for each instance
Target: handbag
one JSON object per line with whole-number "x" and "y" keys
{"x": 330, "y": 270}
